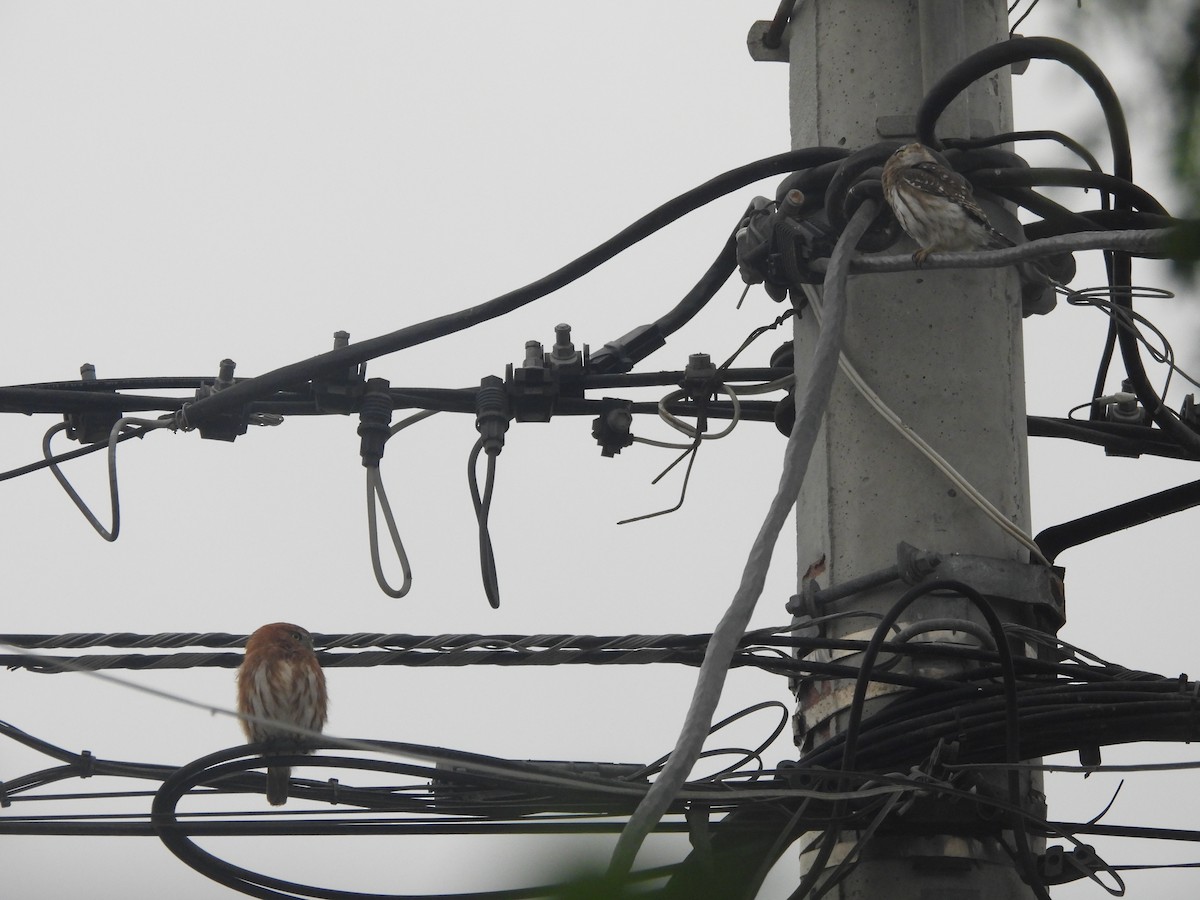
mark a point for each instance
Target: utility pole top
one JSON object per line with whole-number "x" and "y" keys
{"x": 943, "y": 351}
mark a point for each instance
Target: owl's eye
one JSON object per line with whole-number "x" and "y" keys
{"x": 296, "y": 636}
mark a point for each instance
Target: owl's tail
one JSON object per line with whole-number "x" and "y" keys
{"x": 278, "y": 778}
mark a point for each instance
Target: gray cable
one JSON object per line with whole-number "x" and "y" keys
{"x": 1154, "y": 241}
{"x": 732, "y": 626}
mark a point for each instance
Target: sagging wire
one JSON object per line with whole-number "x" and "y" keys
{"x": 111, "y": 533}
{"x": 939, "y": 462}
{"x": 733, "y": 624}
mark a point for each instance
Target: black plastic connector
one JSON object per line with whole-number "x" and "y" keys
{"x": 374, "y": 421}
{"x": 340, "y": 392}
{"x": 532, "y": 387}
{"x": 568, "y": 363}
{"x": 1189, "y": 413}
{"x": 491, "y": 413}
{"x": 223, "y": 426}
{"x": 777, "y": 243}
{"x": 611, "y": 428}
{"x": 1125, "y": 409}
{"x": 91, "y": 427}
{"x": 699, "y": 377}
{"x": 620, "y": 356}
{"x": 1061, "y": 866}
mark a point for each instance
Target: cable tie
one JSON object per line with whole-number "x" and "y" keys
{"x": 87, "y": 764}
{"x": 5, "y": 802}
{"x": 334, "y": 785}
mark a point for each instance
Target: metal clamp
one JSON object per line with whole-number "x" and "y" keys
{"x": 994, "y": 578}
{"x": 912, "y": 566}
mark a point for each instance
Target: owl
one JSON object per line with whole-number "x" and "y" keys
{"x": 281, "y": 679}
{"x": 935, "y": 205}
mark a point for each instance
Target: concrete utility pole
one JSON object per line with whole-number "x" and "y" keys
{"x": 944, "y": 350}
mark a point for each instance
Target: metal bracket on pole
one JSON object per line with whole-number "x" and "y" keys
{"x": 912, "y": 565}
{"x": 1004, "y": 579}
{"x": 759, "y": 51}
{"x": 996, "y": 579}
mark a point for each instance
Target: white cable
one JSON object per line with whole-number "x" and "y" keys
{"x": 681, "y": 426}
{"x": 684, "y": 428}
{"x": 112, "y": 533}
{"x": 732, "y": 626}
{"x": 666, "y": 445}
{"x": 779, "y": 384}
{"x": 956, "y": 478}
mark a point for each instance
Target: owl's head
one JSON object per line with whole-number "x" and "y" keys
{"x": 911, "y": 155}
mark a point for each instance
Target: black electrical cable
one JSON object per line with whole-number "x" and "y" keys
{"x": 694, "y": 300}
{"x": 656, "y": 766}
{"x": 483, "y": 506}
{"x": 1021, "y": 18}
{"x": 44, "y": 400}
{"x": 1038, "y": 135}
{"x": 176, "y": 839}
{"x": 1055, "y": 719}
{"x": 1057, "y": 538}
{"x": 69, "y": 455}
{"x": 1132, "y": 440}
{"x": 772, "y": 39}
{"x": 286, "y": 377}
{"x": 1021, "y": 49}
{"x": 1133, "y": 196}
{"x": 542, "y": 650}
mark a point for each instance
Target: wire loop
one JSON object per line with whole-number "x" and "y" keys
{"x": 377, "y": 496}
{"x": 111, "y": 533}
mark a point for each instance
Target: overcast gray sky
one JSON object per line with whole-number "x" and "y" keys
{"x": 185, "y": 182}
